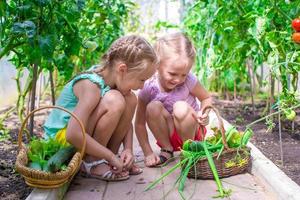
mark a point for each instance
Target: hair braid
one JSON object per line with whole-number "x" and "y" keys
{"x": 132, "y": 50}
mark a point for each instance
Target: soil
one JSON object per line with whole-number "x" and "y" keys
{"x": 12, "y": 185}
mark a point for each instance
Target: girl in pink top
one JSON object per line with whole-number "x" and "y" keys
{"x": 168, "y": 101}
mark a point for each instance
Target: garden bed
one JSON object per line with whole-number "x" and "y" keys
{"x": 12, "y": 185}
{"x": 240, "y": 114}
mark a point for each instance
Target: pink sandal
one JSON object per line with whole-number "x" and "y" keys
{"x": 135, "y": 170}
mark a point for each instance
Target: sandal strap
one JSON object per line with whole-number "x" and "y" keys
{"x": 88, "y": 166}
{"x": 162, "y": 159}
{"x": 167, "y": 151}
{"x": 107, "y": 174}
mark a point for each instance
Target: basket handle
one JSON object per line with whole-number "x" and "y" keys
{"x": 221, "y": 124}
{"x": 60, "y": 108}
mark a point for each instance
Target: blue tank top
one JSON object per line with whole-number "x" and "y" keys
{"x": 59, "y": 119}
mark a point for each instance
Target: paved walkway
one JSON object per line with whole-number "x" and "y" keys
{"x": 244, "y": 186}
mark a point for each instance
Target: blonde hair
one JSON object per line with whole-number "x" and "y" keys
{"x": 175, "y": 44}
{"x": 133, "y": 50}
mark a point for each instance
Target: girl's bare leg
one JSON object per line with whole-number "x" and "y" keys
{"x": 124, "y": 129}
{"x": 106, "y": 116}
{"x": 103, "y": 123}
{"x": 184, "y": 122}
{"x": 160, "y": 123}
{"x": 125, "y": 123}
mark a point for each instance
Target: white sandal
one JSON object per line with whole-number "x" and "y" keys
{"x": 107, "y": 176}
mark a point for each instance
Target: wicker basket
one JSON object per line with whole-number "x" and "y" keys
{"x": 41, "y": 179}
{"x": 201, "y": 169}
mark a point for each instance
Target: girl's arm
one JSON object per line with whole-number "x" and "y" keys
{"x": 88, "y": 95}
{"x": 140, "y": 128}
{"x": 127, "y": 153}
{"x": 202, "y": 95}
{"x": 127, "y": 141}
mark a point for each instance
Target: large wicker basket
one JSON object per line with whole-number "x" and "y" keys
{"x": 201, "y": 169}
{"x": 42, "y": 179}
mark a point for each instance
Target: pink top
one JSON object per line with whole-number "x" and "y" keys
{"x": 182, "y": 92}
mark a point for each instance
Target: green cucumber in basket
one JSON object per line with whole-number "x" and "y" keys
{"x": 35, "y": 165}
{"x": 60, "y": 157}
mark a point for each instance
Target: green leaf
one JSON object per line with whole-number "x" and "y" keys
{"x": 35, "y": 146}
{"x": 42, "y": 3}
{"x": 80, "y": 4}
{"x": 47, "y": 45}
{"x": 27, "y": 28}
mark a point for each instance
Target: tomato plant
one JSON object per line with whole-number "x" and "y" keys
{"x": 236, "y": 40}
{"x": 67, "y": 36}
{"x": 290, "y": 115}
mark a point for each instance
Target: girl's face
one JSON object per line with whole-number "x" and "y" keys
{"x": 133, "y": 80}
{"x": 173, "y": 72}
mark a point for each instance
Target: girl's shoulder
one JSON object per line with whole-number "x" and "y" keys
{"x": 191, "y": 77}
{"x": 94, "y": 78}
{"x": 150, "y": 89}
{"x": 191, "y": 80}
{"x": 152, "y": 82}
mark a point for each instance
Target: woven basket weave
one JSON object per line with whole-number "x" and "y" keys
{"x": 201, "y": 169}
{"x": 42, "y": 179}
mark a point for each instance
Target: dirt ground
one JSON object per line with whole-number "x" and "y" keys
{"x": 12, "y": 185}
{"x": 240, "y": 114}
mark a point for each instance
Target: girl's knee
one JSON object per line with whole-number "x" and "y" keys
{"x": 181, "y": 110}
{"x": 154, "y": 109}
{"x": 114, "y": 101}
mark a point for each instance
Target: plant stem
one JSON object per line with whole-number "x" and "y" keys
{"x": 263, "y": 118}
{"x": 165, "y": 174}
{"x": 214, "y": 170}
{"x": 32, "y": 106}
{"x": 184, "y": 174}
{"x": 52, "y": 87}
{"x": 283, "y": 14}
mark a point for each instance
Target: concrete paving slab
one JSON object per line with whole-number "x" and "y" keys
{"x": 86, "y": 188}
{"x": 135, "y": 186}
{"x": 243, "y": 186}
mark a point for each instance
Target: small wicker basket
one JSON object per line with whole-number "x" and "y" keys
{"x": 201, "y": 169}
{"x": 42, "y": 179}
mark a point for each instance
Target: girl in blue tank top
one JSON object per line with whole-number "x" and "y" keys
{"x": 102, "y": 99}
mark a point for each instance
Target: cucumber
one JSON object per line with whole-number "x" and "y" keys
{"x": 45, "y": 167}
{"x": 35, "y": 165}
{"x": 196, "y": 146}
{"x": 186, "y": 145}
{"x": 247, "y": 135}
{"x": 59, "y": 158}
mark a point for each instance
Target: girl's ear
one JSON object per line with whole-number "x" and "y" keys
{"x": 122, "y": 67}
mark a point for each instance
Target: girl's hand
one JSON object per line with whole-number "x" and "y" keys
{"x": 151, "y": 160}
{"x": 116, "y": 164}
{"x": 202, "y": 118}
{"x": 127, "y": 158}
